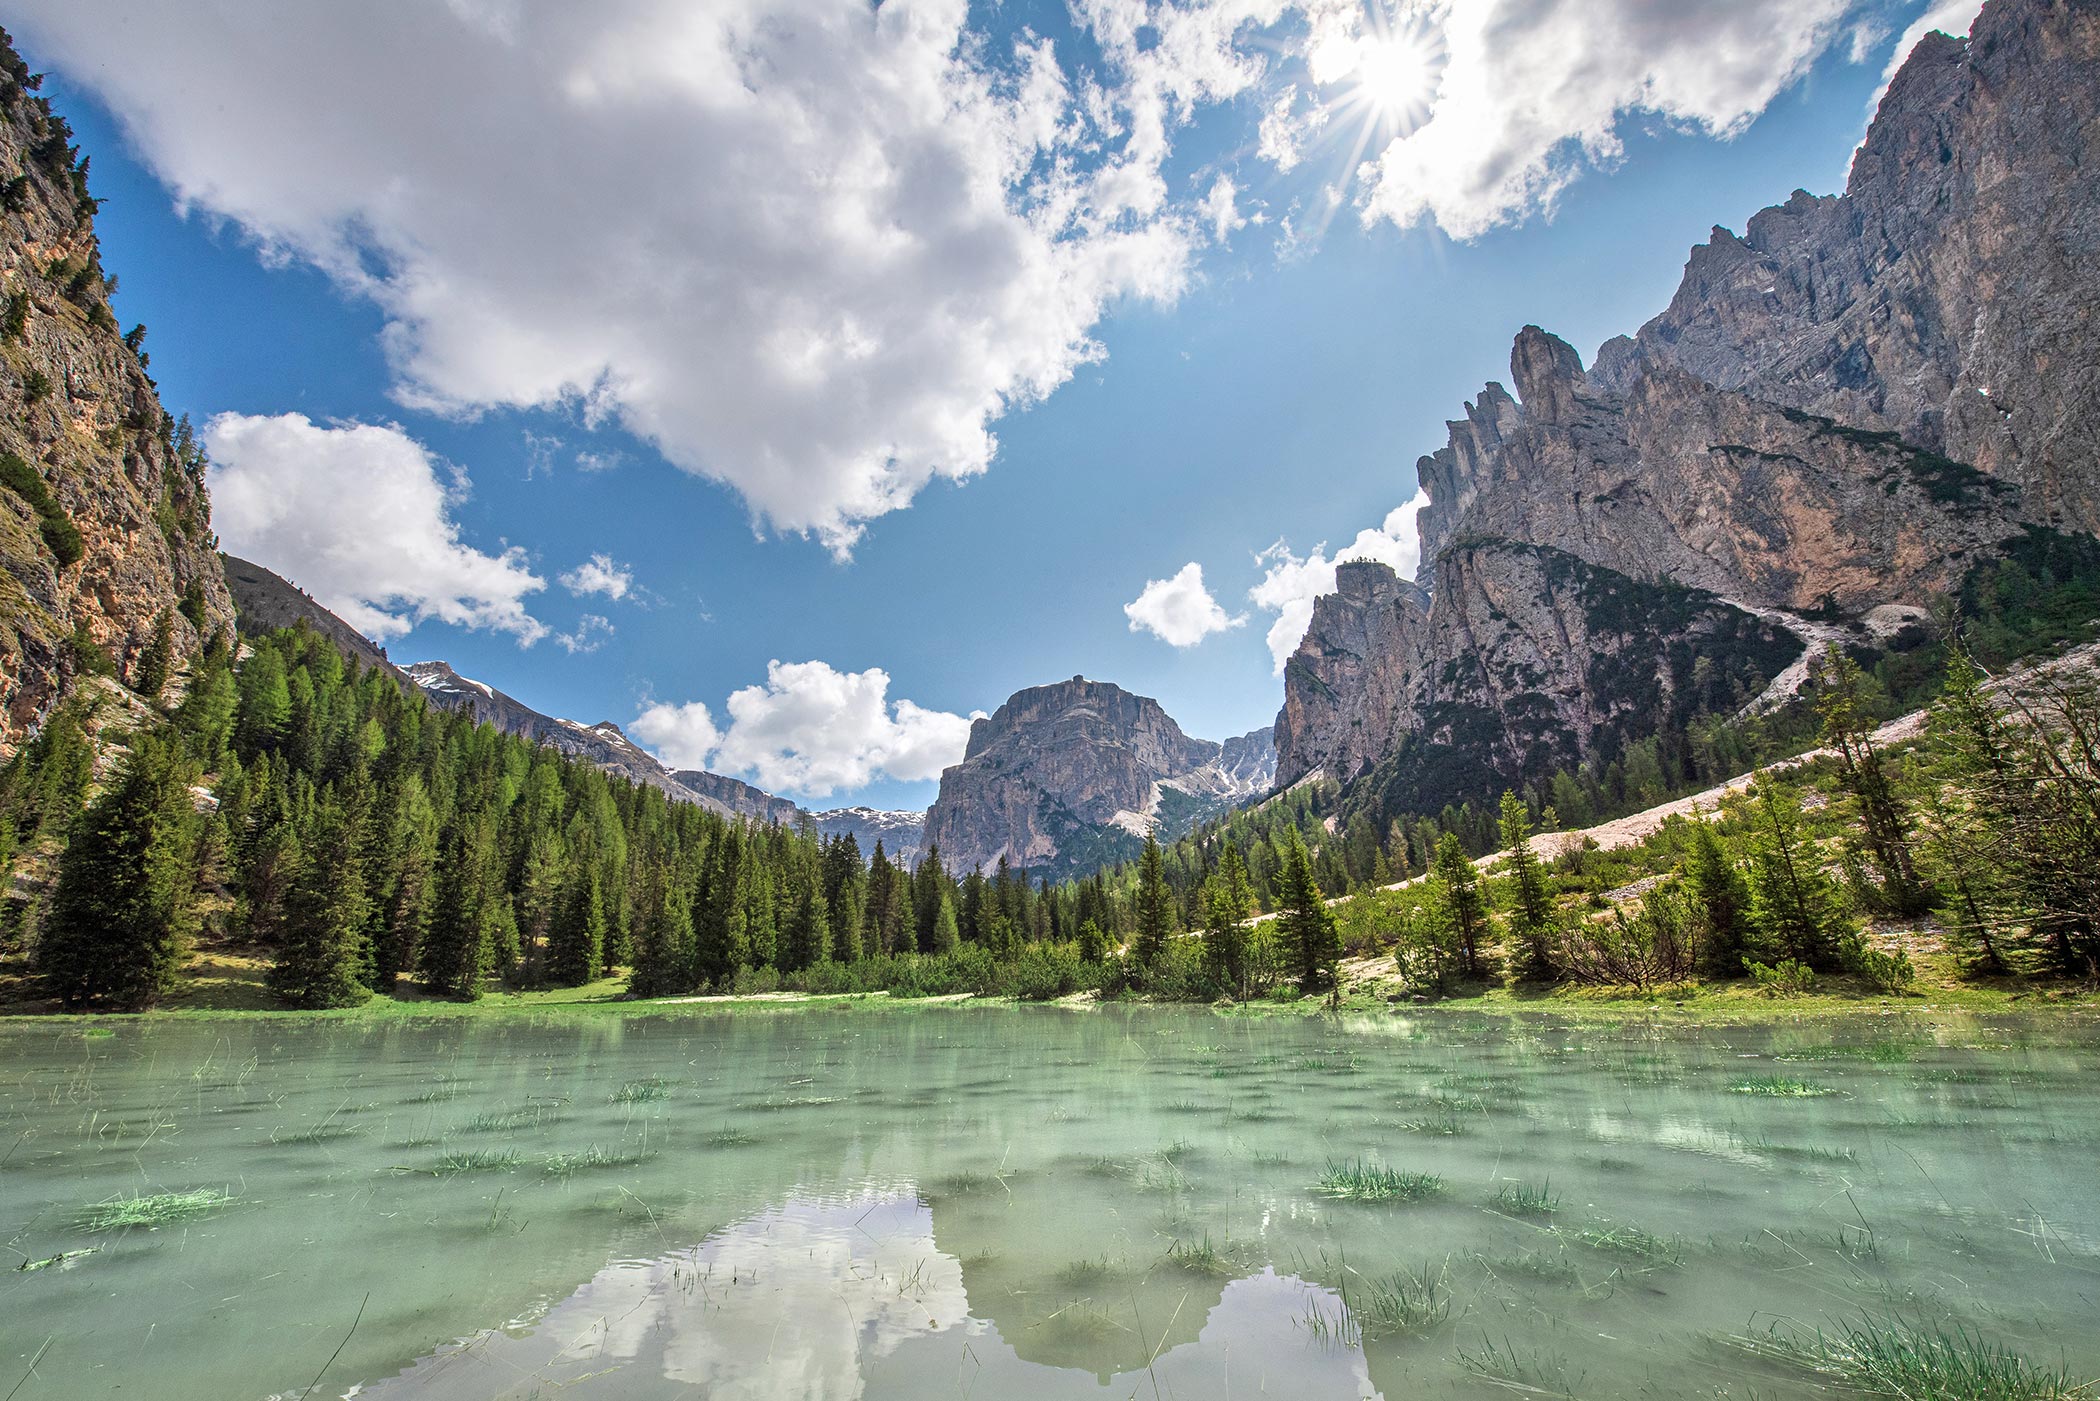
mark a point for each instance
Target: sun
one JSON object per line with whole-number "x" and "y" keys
{"x": 1393, "y": 75}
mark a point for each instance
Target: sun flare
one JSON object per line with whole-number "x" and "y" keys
{"x": 1393, "y": 75}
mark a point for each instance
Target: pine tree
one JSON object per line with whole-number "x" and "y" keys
{"x": 1155, "y": 916}
{"x": 847, "y": 917}
{"x": 1795, "y": 907}
{"x": 946, "y": 932}
{"x": 1093, "y": 944}
{"x": 927, "y": 890}
{"x": 1841, "y": 703}
{"x": 323, "y": 952}
{"x": 1528, "y": 893}
{"x": 1721, "y": 898}
{"x": 406, "y": 907}
{"x": 149, "y": 670}
{"x": 460, "y": 947}
{"x": 576, "y": 943}
{"x": 123, "y": 911}
{"x": 1307, "y": 924}
{"x": 1455, "y": 903}
{"x": 663, "y": 946}
{"x": 266, "y": 704}
{"x": 806, "y": 937}
{"x": 1228, "y": 903}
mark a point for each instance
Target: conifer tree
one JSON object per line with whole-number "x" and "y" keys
{"x": 946, "y": 932}
{"x": 1795, "y": 907}
{"x": 1841, "y": 703}
{"x": 1228, "y": 903}
{"x": 460, "y": 947}
{"x": 319, "y": 962}
{"x": 1455, "y": 903}
{"x": 1528, "y": 894}
{"x": 1308, "y": 925}
{"x": 846, "y": 921}
{"x": 576, "y": 944}
{"x": 806, "y": 937}
{"x": 149, "y": 671}
{"x": 1155, "y": 918}
{"x": 123, "y": 910}
{"x": 1093, "y": 944}
{"x": 1721, "y": 898}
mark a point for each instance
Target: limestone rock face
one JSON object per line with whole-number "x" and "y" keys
{"x": 1065, "y": 777}
{"x": 1950, "y": 294}
{"x": 1840, "y": 414}
{"x": 1520, "y": 660}
{"x": 79, "y": 413}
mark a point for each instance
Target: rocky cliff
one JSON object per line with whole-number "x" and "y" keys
{"x": 1064, "y": 778}
{"x": 104, "y": 522}
{"x": 1836, "y": 419}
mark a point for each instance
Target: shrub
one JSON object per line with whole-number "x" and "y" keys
{"x": 1787, "y": 979}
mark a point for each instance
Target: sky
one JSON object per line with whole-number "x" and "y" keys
{"x": 790, "y": 380}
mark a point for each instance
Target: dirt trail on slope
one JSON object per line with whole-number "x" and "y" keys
{"x": 1638, "y": 827}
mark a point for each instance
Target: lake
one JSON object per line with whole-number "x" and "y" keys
{"x": 991, "y": 1201}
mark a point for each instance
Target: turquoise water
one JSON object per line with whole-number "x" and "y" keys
{"x": 1029, "y": 1202}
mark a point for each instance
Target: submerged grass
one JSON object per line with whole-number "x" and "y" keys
{"x": 1531, "y": 1372}
{"x": 477, "y": 1160}
{"x": 1633, "y": 1244}
{"x": 1087, "y": 1274}
{"x": 1890, "y": 1357}
{"x": 594, "y": 1156}
{"x": 1362, "y": 1181}
{"x": 1200, "y": 1257}
{"x": 1780, "y": 1087}
{"x": 122, "y": 1213}
{"x": 1520, "y": 1200}
{"x": 655, "y": 1087}
{"x": 1403, "y": 1302}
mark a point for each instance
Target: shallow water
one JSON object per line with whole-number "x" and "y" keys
{"x": 1028, "y": 1202}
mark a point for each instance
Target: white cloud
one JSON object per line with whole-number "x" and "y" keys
{"x": 1525, "y": 94}
{"x": 1179, "y": 611}
{"x": 1221, "y": 211}
{"x": 356, "y": 515}
{"x": 591, "y": 631}
{"x": 599, "y": 574}
{"x": 809, "y": 730}
{"x": 811, "y": 248}
{"x": 1290, "y": 584}
{"x": 1954, "y": 17}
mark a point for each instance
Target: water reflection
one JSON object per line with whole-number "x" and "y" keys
{"x": 836, "y": 1298}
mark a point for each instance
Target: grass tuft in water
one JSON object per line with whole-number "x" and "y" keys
{"x": 1531, "y": 1372}
{"x": 730, "y": 1138}
{"x": 1634, "y": 1244}
{"x": 477, "y": 1160}
{"x": 594, "y": 1156}
{"x": 1087, "y": 1274}
{"x": 1402, "y": 1302}
{"x": 1363, "y": 1181}
{"x": 1520, "y": 1200}
{"x": 122, "y": 1213}
{"x": 1780, "y": 1087}
{"x": 510, "y": 1120}
{"x": 655, "y": 1087}
{"x": 1200, "y": 1257}
{"x": 1895, "y": 1358}
{"x": 1550, "y": 1268}
{"x": 440, "y": 1093}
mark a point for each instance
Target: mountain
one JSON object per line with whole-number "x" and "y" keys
{"x": 899, "y": 832}
{"x": 104, "y": 523}
{"x": 1837, "y": 419}
{"x": 264, "y": 601}
{"x": 1065, "y": 778}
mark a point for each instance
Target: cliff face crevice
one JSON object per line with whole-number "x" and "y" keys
{"x": 1841, "y": 413}
{"x": 104, "y": 521}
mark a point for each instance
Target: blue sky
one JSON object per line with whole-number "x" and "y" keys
{"x": 1274, "y": 393}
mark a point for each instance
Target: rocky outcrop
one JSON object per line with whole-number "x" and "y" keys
{"x": 1068, "y": 777}
{"x": 737, "y": 796}
{"x": 1949, "y": 295}
{"x": 1839, "y": 416}
{"x": 104, "y": 522}
{"x": 1520, "y": 660}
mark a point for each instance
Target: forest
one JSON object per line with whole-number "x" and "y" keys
{"x": 366, "y": 842}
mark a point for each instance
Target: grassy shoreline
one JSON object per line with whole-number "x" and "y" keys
{"x": 1698, "y": 1004}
